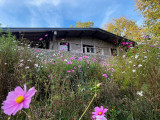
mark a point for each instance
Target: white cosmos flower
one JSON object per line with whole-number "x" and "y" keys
{"x": 21, "y": 60}
{"x": 27, "y": 67}
{"x": 140, "y": 93}
{"x": 145, "y": 56}
{"x": 65, "y": 59}
{"x": 136, "y": 56}
{"x": 133, "y": 70}
{"x": 36, "y": 65}
{"x": 130, "y": 61}
{"x": 29, "y": 60}
{"x": 140, "y": 65}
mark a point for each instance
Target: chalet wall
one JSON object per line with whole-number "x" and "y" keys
{"x": 76, "y": 45}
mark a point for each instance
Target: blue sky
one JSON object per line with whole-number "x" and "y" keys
{"x": 63, "y": 13}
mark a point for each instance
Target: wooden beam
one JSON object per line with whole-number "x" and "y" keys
{"x": 80, "y": 35}
{"x": 93, "y": 34}
{"x": 52, "y": 40}
{"x": 65, "y": 35}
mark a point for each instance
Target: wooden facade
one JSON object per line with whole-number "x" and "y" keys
{"x": 75, "y": 40}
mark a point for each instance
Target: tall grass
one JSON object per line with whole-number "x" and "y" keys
{"x": 66, "y": 85}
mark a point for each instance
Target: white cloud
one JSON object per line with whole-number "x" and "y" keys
{"x": 46, "y": 17}
{"x": 42, "y": 2}
{"x": 52, "y": 2}
{"x": 107, "y": 16}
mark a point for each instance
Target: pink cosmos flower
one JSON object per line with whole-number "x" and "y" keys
{"x": 73, "y": 70}
{"x": 40, "y": 38}
{"x": 52, "y": 63}
{"x": 85, "y": 57}
{"x": 66, "y": 43}
{"x": 79, "y": 66}
{"x": 102, "y": 62}
{"x": 62, "y": 39}
{"x": 18, "y": 99}
{"x": 134, "y": 51}
{"x": 68, "y": 71}
{"x": 46, "y": 35}
{"x": 49, "y": 75}
{"x": 99, "y": 112}
{"x": 108, "y": 69}
{"x": 104, "y": 75}
{"x": 128, "y": 46}
{"x": 72, "y": 58}
{"x": 94, "y": 60}
{"x": 158, "y": 47}
{"x": 69, "y": 62}
{"x": 100, "y": 117}
{"x": 37, "y": 50}
{"x": 80, "y": 58}
{"x": 21, "y": 65}
{"x": 123, "y": 43}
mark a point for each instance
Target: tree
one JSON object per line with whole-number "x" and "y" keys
{"x": 87, "y": 24}
{"x": 124, "y": 27}
{"x": 150, "y": 9}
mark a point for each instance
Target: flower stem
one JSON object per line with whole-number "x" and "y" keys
{"x": 30, "y": 114}
{"x": 88, "y": 106}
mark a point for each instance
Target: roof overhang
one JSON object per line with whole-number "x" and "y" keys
{"x": 66, "y": 32}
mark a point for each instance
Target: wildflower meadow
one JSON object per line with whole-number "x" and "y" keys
{"x": 68, "y": 87}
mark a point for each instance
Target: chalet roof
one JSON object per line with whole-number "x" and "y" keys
{"x": 66, "y": 32}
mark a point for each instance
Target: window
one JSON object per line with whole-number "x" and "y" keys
{"x": 113, "y": 51}
{"x": 88, "y": 49}
{"x": 64, "y": 46}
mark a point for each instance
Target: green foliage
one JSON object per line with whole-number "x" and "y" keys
{"x": 10, "y": 59}
{"x": 137, "y": 71}
{"x": 150, "y": 9}
{"x": 63, "y": 95}
{"x": 125, "y": 27}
